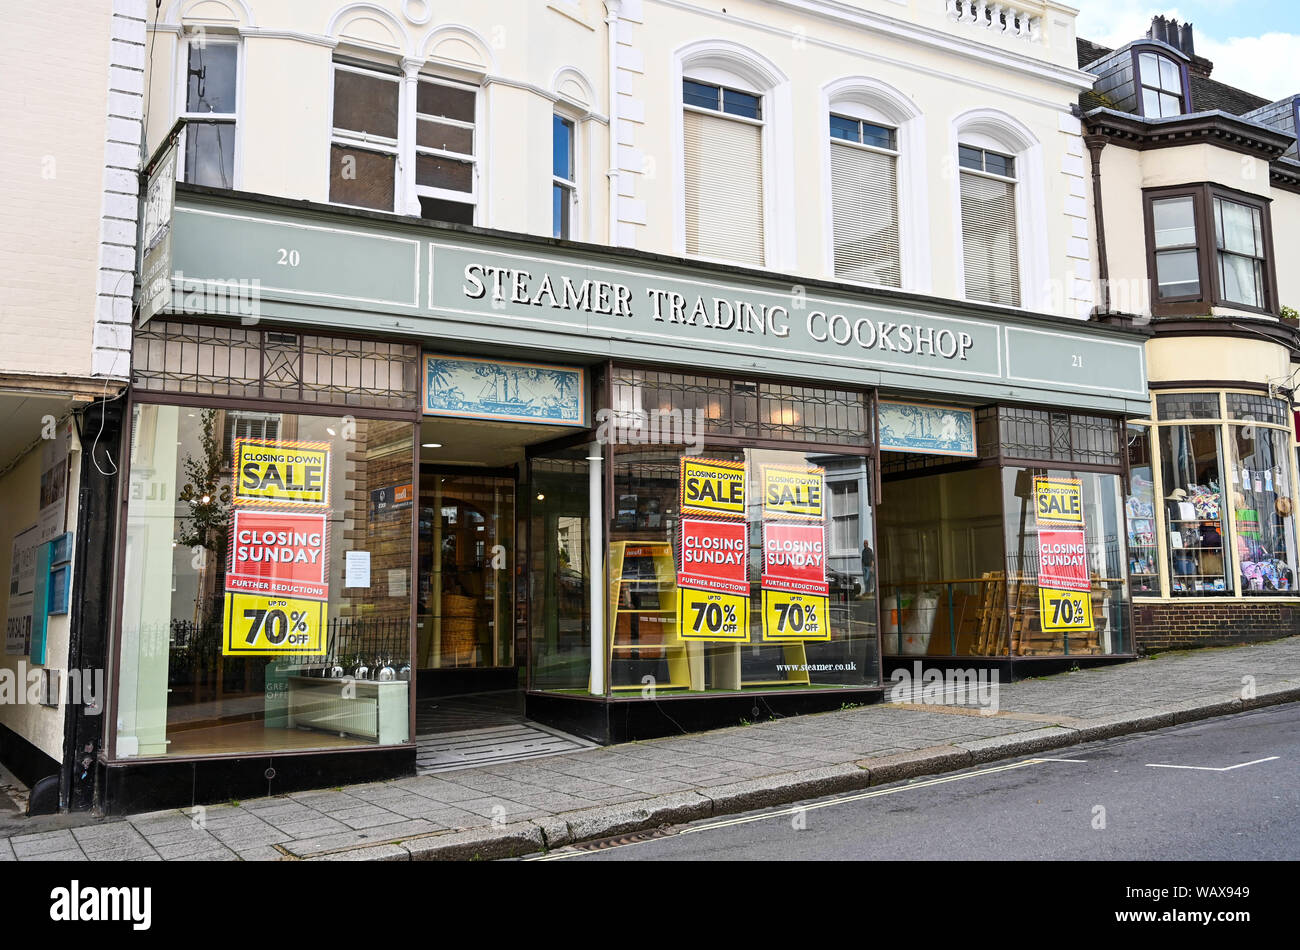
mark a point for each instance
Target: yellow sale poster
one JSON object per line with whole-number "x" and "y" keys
{"x": 1065, "y": 611}
{"x": 713, "y": 487}
{"x": 282, "y": 473}
{"x": 797, "y": 493}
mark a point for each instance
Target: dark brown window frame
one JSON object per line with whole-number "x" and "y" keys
{"x": 1203, "y": 195}
{"x": 1138, "y": 85}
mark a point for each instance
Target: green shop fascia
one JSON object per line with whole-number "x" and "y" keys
{"x": 389, "y": 478}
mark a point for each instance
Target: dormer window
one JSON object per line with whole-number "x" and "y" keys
{"x": 1161, "y": 81}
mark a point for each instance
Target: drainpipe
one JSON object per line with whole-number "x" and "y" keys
{"x": 613, "y": 8}
{"x": 1095, "y": 144}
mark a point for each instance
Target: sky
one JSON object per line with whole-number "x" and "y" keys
{"x": 1254, "y": 44}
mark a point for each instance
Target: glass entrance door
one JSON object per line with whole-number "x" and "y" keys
{"x": 465, "y": 618}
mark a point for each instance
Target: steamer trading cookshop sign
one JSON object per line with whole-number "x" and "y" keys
{"x": 327, "y": 269}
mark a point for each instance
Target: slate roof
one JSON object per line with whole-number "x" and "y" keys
{"x": 1208, "y": 95}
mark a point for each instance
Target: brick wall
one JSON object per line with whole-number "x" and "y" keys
{"x": 1176, "y": 626}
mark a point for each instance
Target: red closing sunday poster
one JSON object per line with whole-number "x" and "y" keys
{"x": 794, "y": 558}
{"x": 1063, "y": 559}
{"x": 280, "y": 553}
{"x": 714, "y": 556}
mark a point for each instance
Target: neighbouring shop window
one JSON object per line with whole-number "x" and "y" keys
{"x": 267, "y": 600}
{"x": 1140, "y": 512}
{"x": 1260, "y": 485}
{"x": 1191, "y": 461}
{"x": 740, "y": 569}
{"x": 211, "y": 111}
{"x": 1066, "y": 586}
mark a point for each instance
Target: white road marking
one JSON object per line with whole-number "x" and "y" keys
{"x": 798, "y": 809}
{"x": 1206, "y": 768}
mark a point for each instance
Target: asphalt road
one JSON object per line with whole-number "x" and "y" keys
{"x": 1110, "y": 800}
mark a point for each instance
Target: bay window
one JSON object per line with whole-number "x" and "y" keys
{"x": 1188, "y": 272}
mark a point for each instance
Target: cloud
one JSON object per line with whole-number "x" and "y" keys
{"x": 1252, "y": 63}
{"x": 1255, "y": 63}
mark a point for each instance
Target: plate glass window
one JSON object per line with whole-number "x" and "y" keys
{"x": 564, "y": 178}
{"x": 211, "y": 83}
{"x": 723, "y": 163}
{"x": 988, "y": 225}
{"x": 1162, "y": 85}
{"x": 864, "y": 201}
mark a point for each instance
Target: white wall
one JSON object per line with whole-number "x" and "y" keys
{"x": 528, "y": 54}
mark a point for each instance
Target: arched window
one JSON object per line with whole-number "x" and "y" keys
{"x": 1000, "y": 209}
{"x": 1162, "y": 84}
{"x": 731, "y": 103}
{"x": 873, "y": 148}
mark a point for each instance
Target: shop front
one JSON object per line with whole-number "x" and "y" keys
{"x": 442, "y": 478}
{"x": 1212, "y": 547}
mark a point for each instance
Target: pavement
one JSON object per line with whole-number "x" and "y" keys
{"x": 531, "y": 806}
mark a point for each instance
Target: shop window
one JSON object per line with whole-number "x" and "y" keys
{"x": 1260, "y": 485}
{"x": 446, "y": 170}
{"x": 1066, "y": 583}
{"x": 723, "y": 164}
{"x": 211, "y": 111}
{"x": 1140, "y": 512}
{"x": 1161, "y": 79}
{"x": 991, "y": 252}
{"x": 1209, "y": 246}
{"x": 1191, "y": 462}
{"x": 564, "y": 177}
{"x": 364, "y": 141}
{"x": 740, "y": 569}
{"x": 260, "y": 583}
{"x": 864, "y": 201}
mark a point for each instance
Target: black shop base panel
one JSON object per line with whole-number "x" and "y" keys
{"x": 1009, "y": 669}
{"x": 627, "y": 720}
{"x": 127, "y": 788}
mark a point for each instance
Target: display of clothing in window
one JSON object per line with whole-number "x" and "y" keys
{"x": 1194, "y": 511}
{"x": 1262, "y": 509}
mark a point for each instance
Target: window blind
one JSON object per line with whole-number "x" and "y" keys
{"x": 724, "y": 188}
{"x": 864, "y": 202}
{"x": 988, "y": 228}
